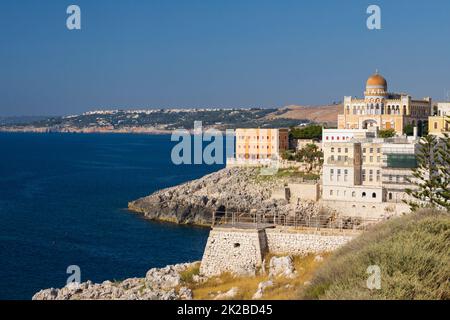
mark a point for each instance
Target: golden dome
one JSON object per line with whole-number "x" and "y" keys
{"x": 376, "y": 80}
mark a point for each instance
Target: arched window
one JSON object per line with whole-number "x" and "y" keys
{"x": 374, "y": 195}
{"x": 363, "y": 194}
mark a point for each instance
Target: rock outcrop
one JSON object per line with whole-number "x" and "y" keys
{"x": 282, "y": 266}
{"x": 158, "y": 284}
{"x": 234, "y": 189}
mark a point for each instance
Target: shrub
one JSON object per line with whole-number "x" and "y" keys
{"x": 412, "y": 253}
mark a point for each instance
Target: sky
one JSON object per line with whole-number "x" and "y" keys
{"x": 211, "y": 53}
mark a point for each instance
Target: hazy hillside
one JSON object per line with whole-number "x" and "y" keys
{"x": 320, "y": 114}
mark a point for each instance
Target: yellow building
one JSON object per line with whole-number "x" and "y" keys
{"x": 380, "y": 109}
{"x": 440, "y": 122}
{"x": 260, "y": 144}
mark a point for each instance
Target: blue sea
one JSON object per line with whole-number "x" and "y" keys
{"x": 63, "y": 200}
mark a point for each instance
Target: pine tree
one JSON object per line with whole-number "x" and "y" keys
{"x": 444, "y": 171}
{"x": 426, "y": 176}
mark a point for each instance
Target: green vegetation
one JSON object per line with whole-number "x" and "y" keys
{"x": 310, "y": 154}
{"x": 432, "y": 175}
{"x": 408, "y": 130}
{"x": 287, "y": 173}
{"x": 309, "y": 132}
{"x": 411, "y": 251}
{"x": 188, "y": 274}
{"x": 387, "y": 133}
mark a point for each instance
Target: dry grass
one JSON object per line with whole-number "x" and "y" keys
{"x": 283, "y": 288}
{"x": 413, "y": 255}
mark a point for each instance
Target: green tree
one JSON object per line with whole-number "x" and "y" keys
{"x": 308, "y": 132}
{"x": 387, "y": 133}
{"x": 311, "y": 155}
{"x": 444, "y": 170}
{"x": 408, "y": 130}
{"x": 427, "y": 176}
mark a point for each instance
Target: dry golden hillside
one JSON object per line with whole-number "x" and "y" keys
{"x": 320, "y": 114}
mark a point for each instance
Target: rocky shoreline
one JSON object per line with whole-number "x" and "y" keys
{"x": 159, "y": 284}
{"x": 173, "y": 282}
{"x": 232, "y": 189}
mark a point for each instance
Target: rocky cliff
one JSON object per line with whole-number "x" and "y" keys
{"x": 234, "y": 189}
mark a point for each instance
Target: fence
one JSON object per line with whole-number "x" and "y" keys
{"x": 245, "y": 220}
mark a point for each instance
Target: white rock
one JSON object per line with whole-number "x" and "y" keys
{"x": 227, "y": 295}
{"x": 261, "y": 287}
{"x": 282, "y": 266}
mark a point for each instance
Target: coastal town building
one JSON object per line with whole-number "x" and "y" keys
{"x": 365, "y": 169}
{"x": 259, "y": 146}
{"x": 384, "y": 110}
{"x": 439, "y": 123}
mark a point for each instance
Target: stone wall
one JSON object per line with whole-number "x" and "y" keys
{"x": 242, "y": 251}
{"x": 303, "y": 242}
{"x": 366, "y": 210}
{"x": 238, "y": 251}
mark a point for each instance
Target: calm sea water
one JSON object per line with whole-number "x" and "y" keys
{"x": 63, "y": 200}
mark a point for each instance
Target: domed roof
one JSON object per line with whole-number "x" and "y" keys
{"x": 376, "y": 80}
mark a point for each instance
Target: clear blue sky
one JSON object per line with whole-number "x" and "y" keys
{"x": 189, "y": 53}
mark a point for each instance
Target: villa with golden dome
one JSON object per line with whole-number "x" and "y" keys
{"x": 382, "y": 110}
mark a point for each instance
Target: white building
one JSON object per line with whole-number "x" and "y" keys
{"x": 363, "y": 174}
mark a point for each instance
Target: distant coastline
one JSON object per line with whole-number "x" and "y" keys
{"x": 132, "y": 130}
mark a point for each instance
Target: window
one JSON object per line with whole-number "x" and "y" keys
{"x": 390, "y": 195}
{"x": 371, "y": 150}
{"x": 363, "y": 194}
{"x": 378, "y": 175}
{"x": 353, "y": 194}
{"x": 364, "y": 150}
{"x": 346, "y": 150}
{"x": 364, "y": 174}
{"x": 332, "y": 149}
{"x": 435, "y": 125}
{"x": 378, "y": 150}
{"x": 374, "y": 195}
{"x": 371, "y": 158}
{"x": 339, "y": 150}
{"x": 331, "y": 192}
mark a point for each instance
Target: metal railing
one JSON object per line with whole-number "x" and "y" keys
{"x": 245, "y": 220}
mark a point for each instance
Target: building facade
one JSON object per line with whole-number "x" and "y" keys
{"x": 261, "y": 144}
{"x": 367, "y": 169}
{"x": 381, "y": 109}
{"x": 439, "y": 123}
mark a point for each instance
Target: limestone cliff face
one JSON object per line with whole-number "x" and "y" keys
{"x": 236, "y": 189}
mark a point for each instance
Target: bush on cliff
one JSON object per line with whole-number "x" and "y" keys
{"x": 412, "y": 252}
